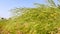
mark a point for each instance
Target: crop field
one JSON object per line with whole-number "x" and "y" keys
{"x": 42, "y": 19}
{"x": 33, "y": 21}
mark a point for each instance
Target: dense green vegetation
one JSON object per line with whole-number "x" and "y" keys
{"x": 39, "y": 20}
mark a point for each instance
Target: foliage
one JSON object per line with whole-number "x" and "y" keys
{"x": 38, "y": 20}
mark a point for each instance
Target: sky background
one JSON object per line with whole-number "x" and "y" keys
{"x": 6, "y": 5}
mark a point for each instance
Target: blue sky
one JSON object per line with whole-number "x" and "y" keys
{"x": 6, "y": 5}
